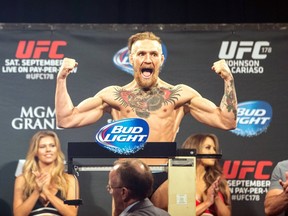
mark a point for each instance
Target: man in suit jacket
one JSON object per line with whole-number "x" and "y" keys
{"x": 130, "y": 184}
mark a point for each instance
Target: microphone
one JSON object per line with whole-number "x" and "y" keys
{"x": 75, "y": 202}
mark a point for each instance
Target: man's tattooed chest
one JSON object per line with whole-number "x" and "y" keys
{"x": 144, "y": 102}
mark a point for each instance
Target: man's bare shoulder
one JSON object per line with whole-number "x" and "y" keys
{"x": 109, "y": 90}
{"x": 112, "y": 94}
{"x": 163, "y": 84}
{"x": 183, "y": 86}
{"x": 186, "y": 90}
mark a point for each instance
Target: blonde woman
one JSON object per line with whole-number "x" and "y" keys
{"x": 212, "y": 191}
{"x": 43, "y": 185}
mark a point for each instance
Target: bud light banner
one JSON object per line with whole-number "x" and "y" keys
{"x": 124, "y": 136}
{"x": 253, "y": 118}
{"x": 31, "y": 55}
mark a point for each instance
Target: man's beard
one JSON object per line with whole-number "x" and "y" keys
{"x": 146, "y": 83}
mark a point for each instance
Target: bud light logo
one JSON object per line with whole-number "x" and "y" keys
{"x": 253, "y": 118}
{"x": 121, "y": 59}
{"x": 124, "y": 136}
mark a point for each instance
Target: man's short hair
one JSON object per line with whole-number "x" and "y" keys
{"x": 142, "y": 36}
{"x": 136, "y": 176}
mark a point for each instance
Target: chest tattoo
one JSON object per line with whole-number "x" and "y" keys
{"x": 143, "y": 102}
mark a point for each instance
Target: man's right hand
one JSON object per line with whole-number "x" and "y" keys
{"x": 284, "y": 184}
{"x": 67, "y": 66}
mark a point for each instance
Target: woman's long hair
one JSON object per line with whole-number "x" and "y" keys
{"x": 196, "y": 141}
{"x": 58, "y": 177}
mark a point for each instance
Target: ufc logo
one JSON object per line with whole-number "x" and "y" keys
{"x": 34, "y": 49}
{"x": 237, "y": 49}
{"x": 239, "y": 169}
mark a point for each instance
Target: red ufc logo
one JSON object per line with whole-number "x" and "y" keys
{"x": 34, "y": 49}
{"x": 239, "y": 169}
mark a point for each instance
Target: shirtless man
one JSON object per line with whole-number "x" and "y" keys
{"x": 161, "y": 104}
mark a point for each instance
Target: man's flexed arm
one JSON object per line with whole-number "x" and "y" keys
{"x": 63, "y": 103}
{"x": 67, "y": 116}
{"x": 224, "y": 115}
{"x": 228, "y": 103}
